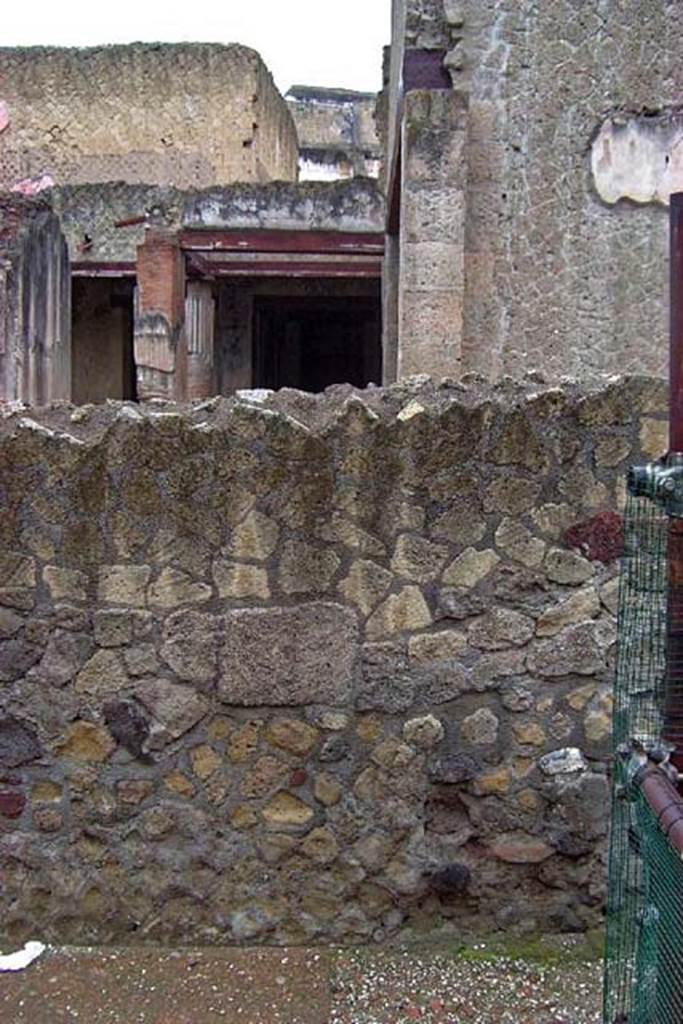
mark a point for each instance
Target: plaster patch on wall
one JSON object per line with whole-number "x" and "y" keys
{"x": 639, "y": 159}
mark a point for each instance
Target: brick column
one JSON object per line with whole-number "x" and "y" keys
{"x": 160, "y": 344}
{"x": 200, "y": 318}
{"x": 432, "y": 239}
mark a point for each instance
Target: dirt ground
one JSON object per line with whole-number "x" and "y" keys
{"x": 435, "y": 985}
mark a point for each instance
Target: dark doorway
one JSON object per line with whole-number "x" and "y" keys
{"x": 102, "y": 364}
{"x": 311, "y": 342}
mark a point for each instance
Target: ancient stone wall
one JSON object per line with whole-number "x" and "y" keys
{"x": 311, "y": 668}
{"x": 582, "y": 283}
{"x": 560, "y": 279}
{"x": 275, "y": 139}
{"x": 572, "y": 143}
{"x": 91, "y": 212}
{"x": 189, "y": 115}
{"x": 337, "y": 133}
{"x": 35, "y": 303}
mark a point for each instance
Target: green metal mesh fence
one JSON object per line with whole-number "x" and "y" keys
{"x": 644, "y": 953}
{"x": 641, "y": 649}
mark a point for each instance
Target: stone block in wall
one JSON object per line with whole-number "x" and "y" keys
{"x": 430, "y": 266}
{"x": 438, "y": 158}
{"x": 432, "y": 321}
{"x": 434, "y": 126}
{"x": 288, "y": 656}
{"x": 433, "y": 214}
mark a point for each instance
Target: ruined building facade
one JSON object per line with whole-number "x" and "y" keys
{"x": 183, "y": 115}
{"x": 337, "y": 133}
{"x": 198, "y": 264}
{"x": 528, "y": 155}
{"x": 290, "y": 667}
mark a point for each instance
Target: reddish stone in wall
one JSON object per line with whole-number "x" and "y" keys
{"x": 298, "y": 777}
{"x": 12, "y": 804}
{"x": 600, "y": 538}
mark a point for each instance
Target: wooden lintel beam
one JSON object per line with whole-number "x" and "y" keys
{"x": 272, "y": 241}
{"x": 294, "y": 268}
{"x": 92, "y": 268}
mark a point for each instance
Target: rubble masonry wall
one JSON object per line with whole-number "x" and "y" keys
{"x": 303, "y": 668}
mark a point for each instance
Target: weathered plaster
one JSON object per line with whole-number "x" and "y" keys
{"x": 94, "y": 210}
{"x": 638, "y": 158}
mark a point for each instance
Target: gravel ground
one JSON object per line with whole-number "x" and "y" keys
{"x": 300, "y": 986}
{"x": 437, "y": 988}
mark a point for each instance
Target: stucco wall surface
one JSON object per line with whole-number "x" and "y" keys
{"x": 184, "y": 114}
{"x": 306, "y": 668}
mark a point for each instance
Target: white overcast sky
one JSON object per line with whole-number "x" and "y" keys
{"x": 303, "y": 42}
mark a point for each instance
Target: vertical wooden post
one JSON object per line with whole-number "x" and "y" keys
{"x": 673, "y": 706}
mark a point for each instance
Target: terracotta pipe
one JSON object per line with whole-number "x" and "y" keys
{"x": 666, "y": 804}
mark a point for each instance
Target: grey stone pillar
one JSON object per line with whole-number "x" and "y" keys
{"x": 35, "y": 305}
{"x": 432, "y": 234}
